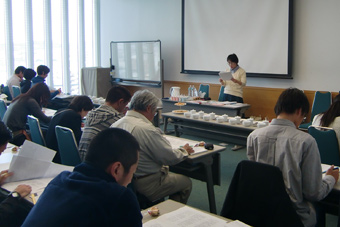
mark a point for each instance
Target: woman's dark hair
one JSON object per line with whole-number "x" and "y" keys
{"x": 40, "y": 92}
{"x": 117, "y": 92}
{"x": 332, "y": 112}
{"x": 233, "y": 58}
{"x": 5, "y": 134}
{"x": 291, "y": 100}
{"x": 113, "y": 145}
{"x": 19, "y": 69}
{"x": 29, "y": 74}
{"x": 81, "y": 102}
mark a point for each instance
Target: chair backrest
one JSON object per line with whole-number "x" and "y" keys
{"x": 3, "y": 108}
{"x": 321, "y": 103}
{"x": 257, "y": 196}
{"x": 204, "y": 88}
{"x": 220, "y": 96}
{"x": 35, "y": 130}
{"x": 67, "y": 145}
{"x": 327, "y": 144}
{"x": 16, "y": 91}
{"x": 8, "y": 93}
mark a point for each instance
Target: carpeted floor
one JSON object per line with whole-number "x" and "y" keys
{"x": 229, "y": 161}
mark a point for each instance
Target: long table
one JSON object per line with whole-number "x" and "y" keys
{"x": 207, "y": 106}
{"x": 204, "y": 166}
{"x": 236, "y": 134}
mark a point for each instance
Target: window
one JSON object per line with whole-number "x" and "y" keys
{"x": 60, "y": 38}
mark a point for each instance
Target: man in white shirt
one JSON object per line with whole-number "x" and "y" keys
{"x": 16, "y": 78}
{"x": 152, "y": 177}
{"x": 296, "y": 154}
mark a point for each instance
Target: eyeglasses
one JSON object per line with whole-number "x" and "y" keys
{"x": 304, "y": 120}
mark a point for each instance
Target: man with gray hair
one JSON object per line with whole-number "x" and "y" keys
{"x": 152, "y": 177}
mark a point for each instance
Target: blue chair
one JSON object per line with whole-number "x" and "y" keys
{"x": 35, "y": 130}
{"x": 220, "y": 96}
{"x": 16, "y": 91}
{"x": 321, "y": 103}
{"x": 204, "y": 88}
{"x": 68, "y": 148}
{"x": 3, "y": 108}
{"x": 8, "y": 93}
{"x": 327, "y": 144}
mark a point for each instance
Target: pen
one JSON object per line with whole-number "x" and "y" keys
{"x": 33, "y": 198}
{"x": 335, "y": 168}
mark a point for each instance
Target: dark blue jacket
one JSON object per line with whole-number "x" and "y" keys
{"x": 86, "y": 197}
{"x": 39, "y": 79}
{"x": 25, "y": 85}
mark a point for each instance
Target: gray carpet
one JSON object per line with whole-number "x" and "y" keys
{"x": 229, "y": 161}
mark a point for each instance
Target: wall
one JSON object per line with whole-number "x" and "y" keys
{"x": 316, "y": 39}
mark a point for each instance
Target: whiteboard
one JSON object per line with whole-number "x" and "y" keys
{"x": 257, "y": 31}
{"x": 136, "y": 61}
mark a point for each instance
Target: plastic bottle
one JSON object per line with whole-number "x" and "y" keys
{"x": 194, "y": 91}
{"x": 189, "y": 91}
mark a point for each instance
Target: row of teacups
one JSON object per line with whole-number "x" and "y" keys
{"x": 224, "y": 118}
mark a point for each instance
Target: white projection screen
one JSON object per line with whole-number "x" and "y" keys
{"x": 259, "y": 32}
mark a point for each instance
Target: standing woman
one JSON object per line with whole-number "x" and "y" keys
{"x": 70, "y": 117}
{"x": 233, "y": 89}
{"x": 26, "y": 104}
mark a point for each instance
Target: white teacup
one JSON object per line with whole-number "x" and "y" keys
{"x": 266, "y": 122}
{"x": 251, "y": 120}
{"x": 201, "y": 114}
{"x": 187, "y": 114}
{"x": 195, "y": 116}
{"x": 220, "y": 119}
{"x": 232, "y": 121}
{"x": 247, "y": 123}
{"x": 261, "y": 124}
{"x": 225, "y": 117}
{"x": 206, "y": 117}
{"x": 238, "y": 119}
{"x": 192, "y": 111}
{"x": 212, "y": 115}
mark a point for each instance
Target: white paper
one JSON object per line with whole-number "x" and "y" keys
{"x": 225, "y": 75}
{"x": 179, "y": 142}
{"x": 36, "y": 151}
{"x": 26, "y": 168}
{"x": 186, "y": 217}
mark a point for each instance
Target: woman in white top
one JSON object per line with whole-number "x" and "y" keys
{"x": 330, "y": 118}
{"x": 233, "y": 88}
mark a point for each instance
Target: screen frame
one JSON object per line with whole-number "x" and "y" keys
{"x": 260, "y": 75}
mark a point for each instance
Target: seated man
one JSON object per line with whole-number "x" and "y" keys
{"x": 296, "y": 154}
{"x": 152, "y": 178}
{"x": 43, "y": 71}
{"x": 12, "y": 211}
{"x": 26, "y": 84}
{"x": 16, "y": 79}
{"x": 104, "y": 116}
{"x": 95, "y": 193}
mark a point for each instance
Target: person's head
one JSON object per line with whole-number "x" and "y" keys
{"x": 40, "y": 92}
{"x": 145, "y": 102}
{"x": 81, "y": 104}
{"x": 118, "y": 97}
{"x": 43, "y": 70}
{"x": 5, "y": 136}
{"x": 332, "y": 112}
{"x": 19, "y": 71}
{"x": 114, "y": 151}
{"x": 292, "y": 101}
{"x": 232, "y": 60}
{"x": 29, "y": 74}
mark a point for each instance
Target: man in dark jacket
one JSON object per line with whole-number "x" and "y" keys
{"x": 43, "y": 72}
{"x": 95, "y": 193}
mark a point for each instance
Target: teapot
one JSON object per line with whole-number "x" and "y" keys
{"x": 175, "y": 91}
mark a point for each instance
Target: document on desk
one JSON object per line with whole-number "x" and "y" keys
{"x": 225, "y": 75}
{"x": 179, "y": 142}
{"x": 36, "y": 151}
{"x": 190, "y": 217}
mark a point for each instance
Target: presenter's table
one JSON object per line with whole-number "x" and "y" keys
{"x": 236, "y": 134}
{"x": 208, "y": 106}
{"x": 203, "y": 166}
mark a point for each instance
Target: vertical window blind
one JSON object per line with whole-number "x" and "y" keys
{"x": 62, "y": 34}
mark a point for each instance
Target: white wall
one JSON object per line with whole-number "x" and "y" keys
{"x": 316, "y": 50}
